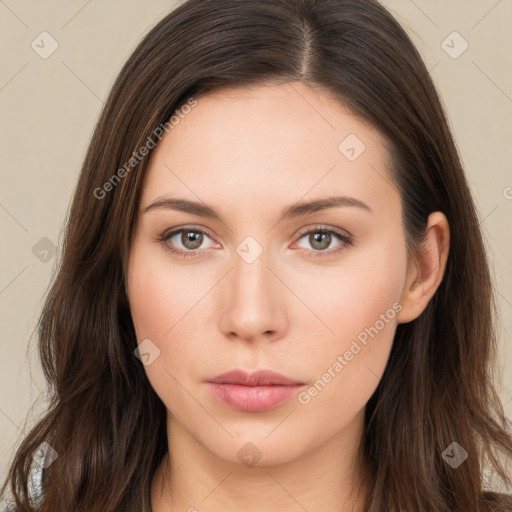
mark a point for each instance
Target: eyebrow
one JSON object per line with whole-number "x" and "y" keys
{"x": 296, "y": 210}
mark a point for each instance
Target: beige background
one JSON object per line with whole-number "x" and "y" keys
{"x": 49, "y": 107}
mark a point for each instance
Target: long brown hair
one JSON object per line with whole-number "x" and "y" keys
{"x": 105, "y": 421}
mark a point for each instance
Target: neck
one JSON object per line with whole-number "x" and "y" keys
{"x": 331, "y": 477}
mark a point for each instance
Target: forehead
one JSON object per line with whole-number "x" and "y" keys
{"x": 280, "y": 142}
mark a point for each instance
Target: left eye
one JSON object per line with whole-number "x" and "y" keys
{"x": 320, "y": 239}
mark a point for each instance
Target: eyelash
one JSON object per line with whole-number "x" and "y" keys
{"x": 347, "y": 241}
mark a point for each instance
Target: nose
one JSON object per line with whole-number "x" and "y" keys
{"x": 253, "y": 301}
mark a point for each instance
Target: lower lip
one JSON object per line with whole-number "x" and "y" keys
{"x": 252, "y": 398}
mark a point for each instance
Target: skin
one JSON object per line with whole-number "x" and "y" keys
{"x": 249, "y": 153}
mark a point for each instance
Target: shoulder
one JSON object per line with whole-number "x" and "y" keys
{"x": 35, "y": 489}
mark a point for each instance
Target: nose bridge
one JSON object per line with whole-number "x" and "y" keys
{"x": 254, "y": 305}
{"x": 250, "y": 272}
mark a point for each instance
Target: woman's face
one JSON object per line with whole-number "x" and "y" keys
{"x": 310, "y": 292}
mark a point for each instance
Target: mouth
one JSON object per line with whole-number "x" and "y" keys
{"x": 253, "y": 391}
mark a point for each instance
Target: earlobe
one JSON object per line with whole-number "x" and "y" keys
{"x": 425, "y": 273}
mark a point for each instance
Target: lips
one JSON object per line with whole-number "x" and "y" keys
{"x": 257, "y": 378}
{"x": 256, "y": 391}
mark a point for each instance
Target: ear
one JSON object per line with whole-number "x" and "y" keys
{"x": 425, "y": 272}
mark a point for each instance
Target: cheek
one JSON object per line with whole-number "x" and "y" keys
{"x": 352, "y": 295}
{"x": 165, "y": 305}
{"x": 361, "y": 306}
{"x": 161, "y": 296}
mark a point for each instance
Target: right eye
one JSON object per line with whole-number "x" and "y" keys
{"x": 185, "y": 242}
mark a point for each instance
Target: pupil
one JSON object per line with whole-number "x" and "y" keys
{"x": 319, "y": 237}
{"x": 192, "y": 239}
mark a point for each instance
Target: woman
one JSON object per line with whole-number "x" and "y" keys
{"x": 273, "y": 293}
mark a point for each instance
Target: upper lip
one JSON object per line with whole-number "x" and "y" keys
{"x": 256, "y": 378}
